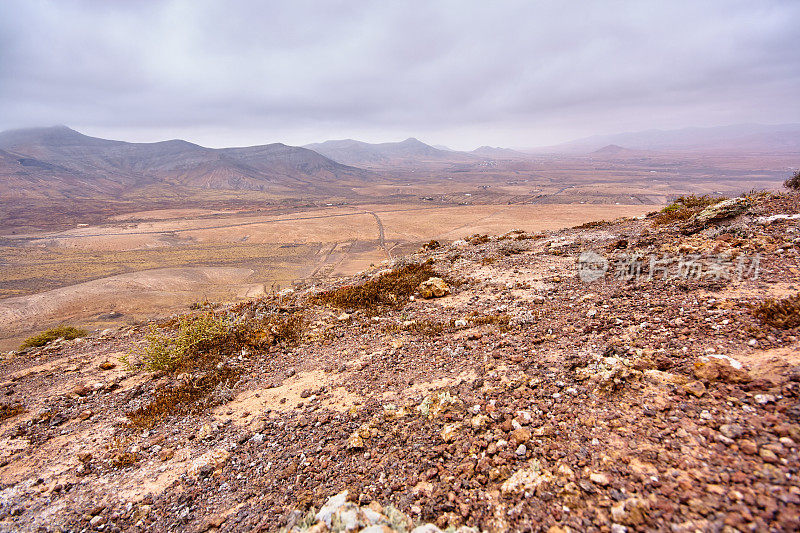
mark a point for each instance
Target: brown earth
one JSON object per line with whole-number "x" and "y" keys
{"x": 527, "y": 399}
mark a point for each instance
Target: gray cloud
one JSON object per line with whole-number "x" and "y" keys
{"x": 514, "y": 73}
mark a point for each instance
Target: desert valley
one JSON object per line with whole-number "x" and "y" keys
{"x": 100, "y": 233}
{"x": 399, "y": 267}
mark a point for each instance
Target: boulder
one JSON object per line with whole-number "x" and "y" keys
{"x": 722, "y": 210}
{"x": 433, "y": 288}
{"x": 710, "y": 368}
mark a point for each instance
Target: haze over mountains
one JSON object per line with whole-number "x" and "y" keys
{"x": 749, "y": 138}
{"x": 58, "y": 162}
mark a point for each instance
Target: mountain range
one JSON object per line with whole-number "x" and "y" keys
{"x": 58, "y": 161}
{"x": 750, "y": 138}
{"x": 409, "y": 152}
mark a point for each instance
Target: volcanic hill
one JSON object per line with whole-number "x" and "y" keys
{"x": 487, "y": 384}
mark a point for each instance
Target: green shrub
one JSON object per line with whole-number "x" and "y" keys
{"x": 58, "y": 332}
{"x": 195, "y": 334}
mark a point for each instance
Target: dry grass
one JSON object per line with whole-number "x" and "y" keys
{"x": 501, "y": 320}
{"x": 7, "y": 410}
{"x": 389, "y": 289}
{"x": 781, "y": 314}
{"x": 58, "y": 332}
{"x": 123, "y": 459}
{"x": 478, "y": 239}
{"x": 431, "y": 245}
{"x": 424, "y": 327}
{"x": 592, "y": 224}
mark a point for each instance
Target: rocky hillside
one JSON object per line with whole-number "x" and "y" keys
{"x": 621, "y": 376}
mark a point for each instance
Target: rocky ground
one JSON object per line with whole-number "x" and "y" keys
{"x": 520, "y": 396}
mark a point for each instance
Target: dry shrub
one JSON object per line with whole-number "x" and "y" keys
{"x": 196, "y": 334}
{"x": 200, "y": 336}
{"x": 782, "y": 314}
{"x": 478, "y": 239}
{"x": 684, "y": 208}
{"x": 592, "y": 224}
{"x": 425, "y": 327}
{"x": 431, "y": 245}
{"x": 58, "y": 332}
{"x": 793, "y": 183}
{"x": 189, "y": 397}
{"x": 501, "y": 320}
{"x": 123, "y": 459}
{"x": 198, "y": 350}
{"x": 7, "y": 410}
{"x": 390, "y": 289}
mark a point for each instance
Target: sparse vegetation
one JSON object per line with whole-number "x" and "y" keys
{"x": 210, "y": 335}
{"x": 431, "y": 245}
{"x": 793, "y": 183}
{"x": 684, "y": 208}
{"x": 390, "y": 288}
{"x": 424, "y": 327}
{"x": 188, "y": 397}
{"x": 58, "y": 332}
{"x": 781, "y": 314}
{"x": 198, "y": 348}
{"x": 7, "y": 410}
{"x": 500, "y": 320}
{"x": 122, "y": 458}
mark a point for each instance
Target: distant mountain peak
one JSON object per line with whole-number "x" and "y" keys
{"x": 610, "y": 149}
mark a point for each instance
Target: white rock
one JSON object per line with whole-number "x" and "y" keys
{"x": 426, "y": 528}
{"x": 333, "y": 504}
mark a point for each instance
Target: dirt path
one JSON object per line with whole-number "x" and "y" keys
{"x": 381, "y": 235}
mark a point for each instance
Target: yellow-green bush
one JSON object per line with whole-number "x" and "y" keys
{"x": 58, "y": 332}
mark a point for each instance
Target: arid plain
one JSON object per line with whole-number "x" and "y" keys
{"x": 119, "y": 272}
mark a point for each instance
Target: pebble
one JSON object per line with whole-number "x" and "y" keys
{"x": 768, "y": 455}
{"x": 695, "y": 388}
{"x": 600, "y": 479}
{"x": 764, "y": 399}
{"x": 732, "y": 431}
{"x": 748, "y": 446}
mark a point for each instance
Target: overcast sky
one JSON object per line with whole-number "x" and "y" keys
{"x": 462, "y": 73}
